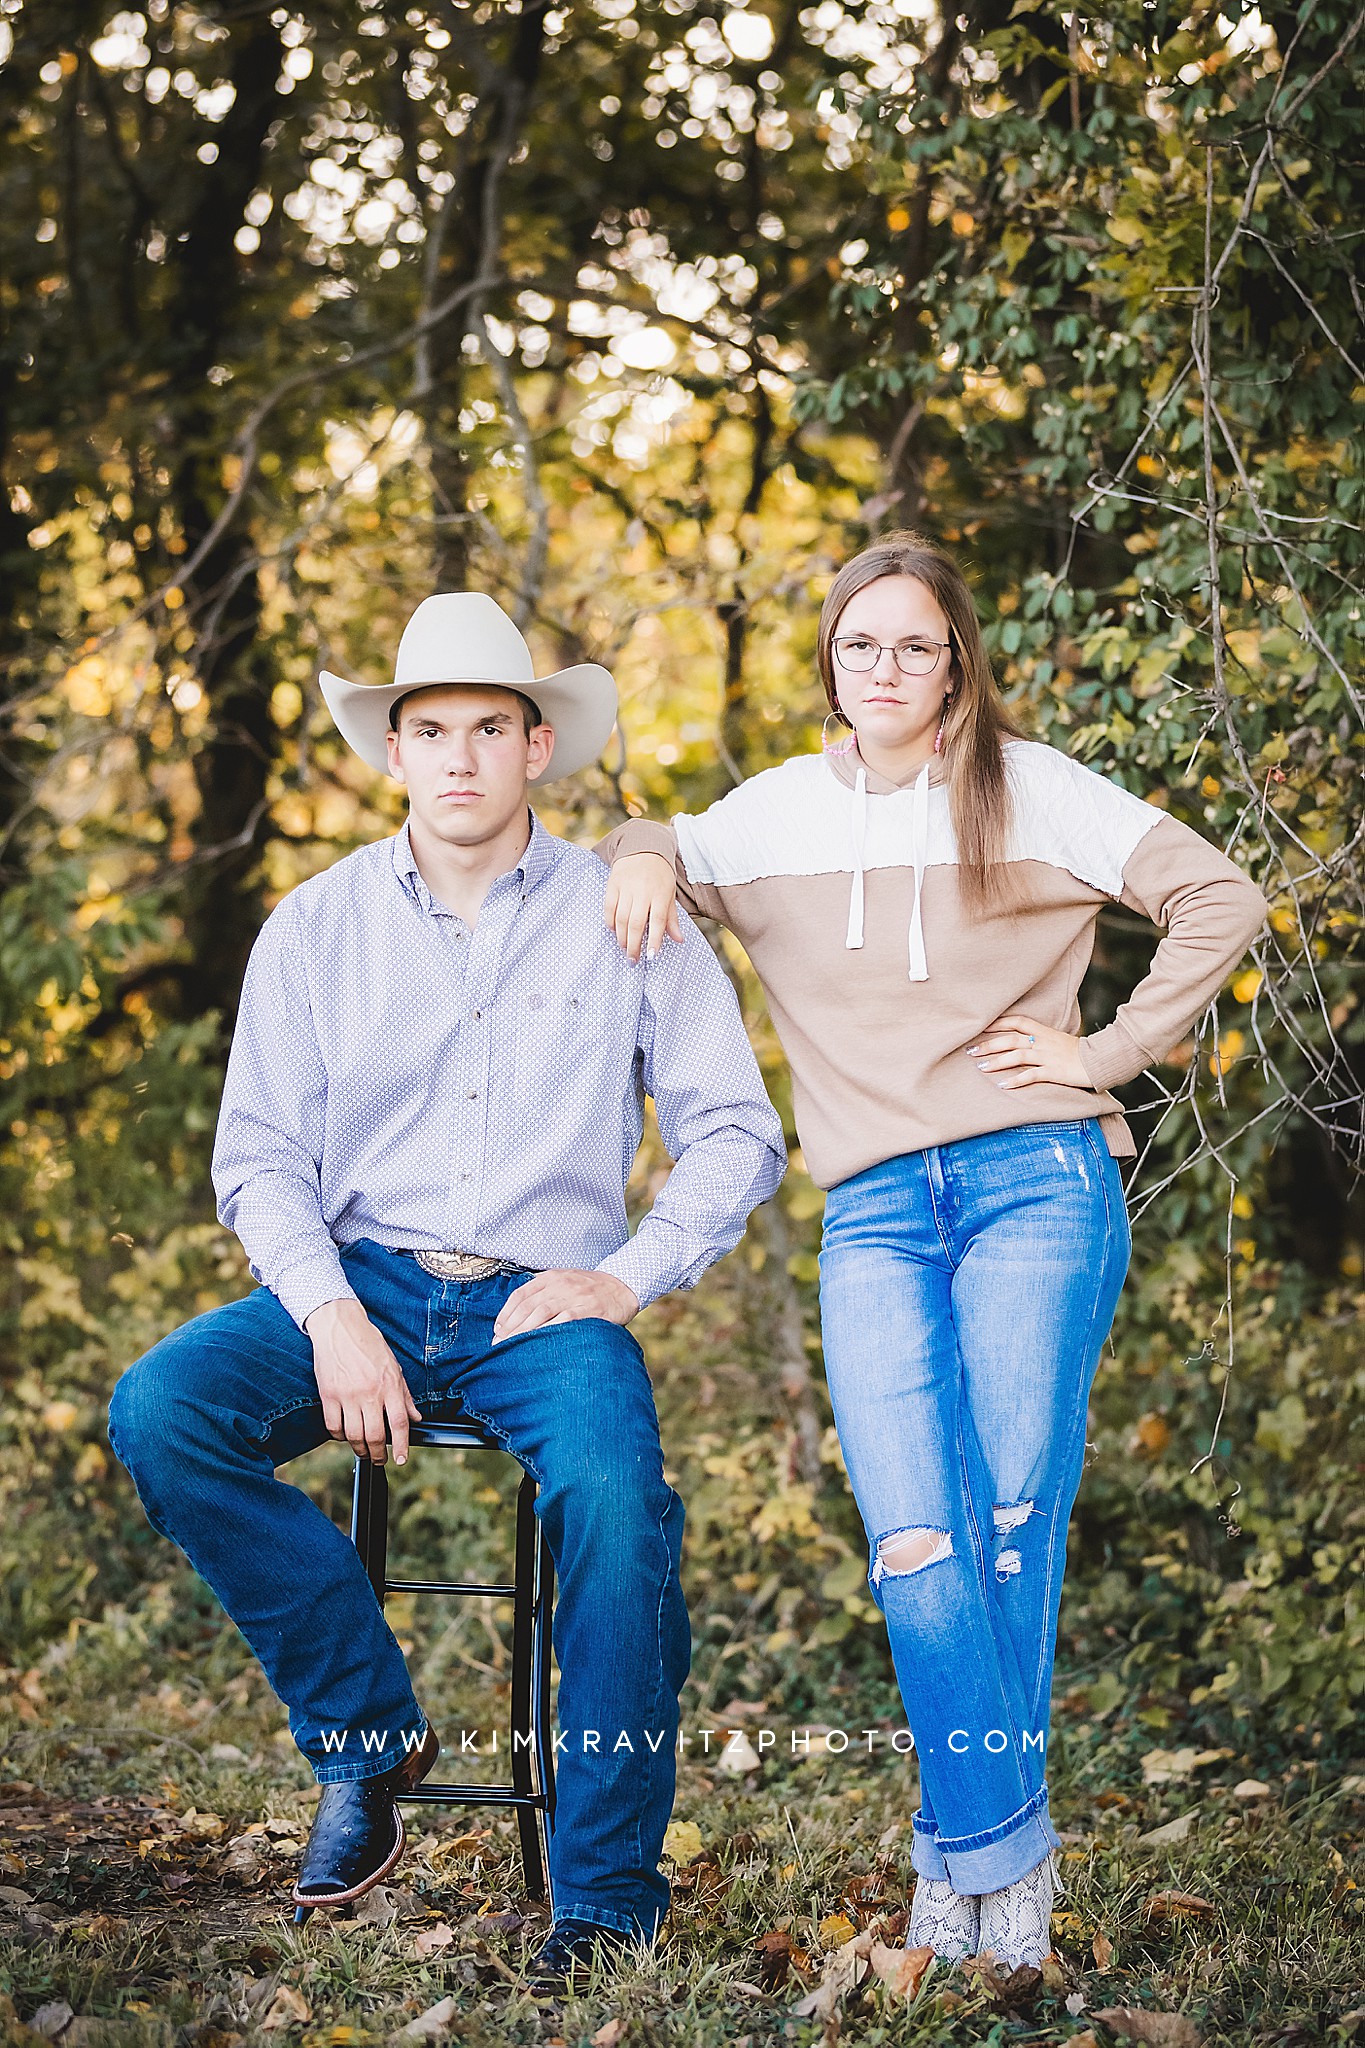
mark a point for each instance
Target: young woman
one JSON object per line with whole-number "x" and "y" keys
{"x": 919, "y": 901}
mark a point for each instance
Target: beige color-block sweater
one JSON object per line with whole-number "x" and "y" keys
{"x": 842, "y": 888}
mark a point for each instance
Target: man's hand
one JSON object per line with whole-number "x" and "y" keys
{"x": 1021, "y": 1051}
{"x": 360, "y": 1381}
{"x": 642, "y": 898}
{"x": 565, "y": 1297}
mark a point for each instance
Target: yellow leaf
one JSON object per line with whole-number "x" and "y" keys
{"x": 836, "y": 1929}
{"x": 682, "y": 1841}
{"x": 61, "y": 1415}
{"x": 1015, "y": 244}
{"x": 1127, "y": 230}
{"x": 962, "y": 223}
{"x": 1247, "y": 985}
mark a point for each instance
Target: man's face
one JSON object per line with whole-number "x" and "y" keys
{"x": 465, "y": 755}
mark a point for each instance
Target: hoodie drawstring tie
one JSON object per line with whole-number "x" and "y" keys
{"x": 919, "y": 856}
{"x": 855, "y": 894}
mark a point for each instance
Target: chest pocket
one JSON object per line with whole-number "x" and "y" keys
{"x": 556, "y": 1032}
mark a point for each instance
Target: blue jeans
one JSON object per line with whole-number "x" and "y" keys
{"x": 204, "y": 1418}
{"x": 965, "y": 1292}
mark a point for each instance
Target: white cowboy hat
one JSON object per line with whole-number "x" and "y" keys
{"x": 466, "y": 637}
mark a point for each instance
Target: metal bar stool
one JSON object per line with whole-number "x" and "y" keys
{"x": 532, "y": 1790}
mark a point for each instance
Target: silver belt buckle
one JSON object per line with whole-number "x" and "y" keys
{"x": 459, "y": 1265}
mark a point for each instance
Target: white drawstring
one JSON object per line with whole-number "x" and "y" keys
{"x": 855, "y": 894}
{"x": 919, "y": 853}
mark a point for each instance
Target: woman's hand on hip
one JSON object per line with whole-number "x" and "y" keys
{"x": 642, "y": 901}
{"x": 1018, "y": 1051}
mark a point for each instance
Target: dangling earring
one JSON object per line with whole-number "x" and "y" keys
{"x": 843, "y": 747}
{"x": 938, "y": 736}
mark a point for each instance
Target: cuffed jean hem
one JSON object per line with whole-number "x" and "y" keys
{"x": 344, "y": 1773}
{"x": 973, "y": 1864}
{"x": 602, "y": 1916}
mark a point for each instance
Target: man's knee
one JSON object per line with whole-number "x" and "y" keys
{"x": 166, "y": 1398}
{"x": 142, "y": 1408}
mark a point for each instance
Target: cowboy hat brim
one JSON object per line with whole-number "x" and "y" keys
{"x": 578, "y": 703}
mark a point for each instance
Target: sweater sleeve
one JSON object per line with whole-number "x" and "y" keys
{"x": 1210, "y": 912}
{"x": 643, "y": 835}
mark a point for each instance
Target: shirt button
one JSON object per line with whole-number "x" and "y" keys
{"x": 476, "y": 1015}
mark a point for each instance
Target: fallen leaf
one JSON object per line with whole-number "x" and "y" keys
{"x": 287, "y": 2008}
{"x": 1102, "y": 1949}
{"x": 1171, "y": 1830}
{"x": 845, "y": 1967}
{"x": 835, "y": 1930}
{"x": 739, "y": 1755}
{"x": 902, "y": 1970}
{"x": 427, "y": 2025}
{"x": 378, "y": 1908}
{"x": 1158, "y": 2029}
{"x": 428, "y": 1940}
{"x": 1179, "y": 1906}
{"x": 608, "y": 2035}
{"x": 1251, "y": 1788}
{"x": 682, "y": 1841}
{"x": 206, "y": 1826}
{"x": 14, "y": 1898}
{"x": 747, "y": 1990}
{"x": 226, "y": 1753}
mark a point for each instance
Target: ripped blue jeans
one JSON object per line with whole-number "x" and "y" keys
{"x": 965, "y": 1294}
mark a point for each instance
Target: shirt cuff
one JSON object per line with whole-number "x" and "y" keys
{"x": 643, "y": 835}
{"x": 1113, "y": 1056}
{"x": 651, "y": 1264}
{"x": 309, "y": 1284}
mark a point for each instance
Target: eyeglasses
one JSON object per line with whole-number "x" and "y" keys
{"x": 914, "y": 657}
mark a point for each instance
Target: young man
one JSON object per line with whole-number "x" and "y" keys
{"x": 432, "y": 1104}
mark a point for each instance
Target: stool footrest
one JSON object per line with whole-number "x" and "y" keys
{"x": 472, "y": 1795}
{"x": 446, "y": 1586}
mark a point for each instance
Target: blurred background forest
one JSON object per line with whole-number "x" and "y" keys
{"x": 643, "y": 315}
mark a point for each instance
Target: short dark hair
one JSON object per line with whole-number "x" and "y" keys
{"x": 530, "y": 710}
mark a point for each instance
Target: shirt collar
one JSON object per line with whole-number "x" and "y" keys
{"x": 542, "y": 853}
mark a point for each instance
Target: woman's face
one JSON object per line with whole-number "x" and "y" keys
{"x": 883, "y": 705}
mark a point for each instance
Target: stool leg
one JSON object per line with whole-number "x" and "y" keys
{"x": 370, "y": 1522}
{"x": 540, "y": 1682}
{"x": 526, "y": 1770}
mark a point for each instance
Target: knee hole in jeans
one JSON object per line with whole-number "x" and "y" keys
{"x": 910, "y": 1550}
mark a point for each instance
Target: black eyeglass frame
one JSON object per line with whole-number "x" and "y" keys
{"x": 883, "y": 647}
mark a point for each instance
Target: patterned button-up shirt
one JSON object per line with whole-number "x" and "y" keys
{"x": 397, "y": 1075}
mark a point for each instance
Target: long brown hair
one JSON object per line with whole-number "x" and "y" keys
{"x": 978, "y": 719}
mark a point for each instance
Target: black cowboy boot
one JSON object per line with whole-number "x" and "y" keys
{"x": 570, "y": 1949}
{"x": 357, "y": 1834}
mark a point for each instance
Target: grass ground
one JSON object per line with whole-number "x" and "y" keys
{"x": 147, "y": 1841}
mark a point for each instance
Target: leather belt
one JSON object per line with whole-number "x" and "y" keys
{"x": 464, "y": 1265}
